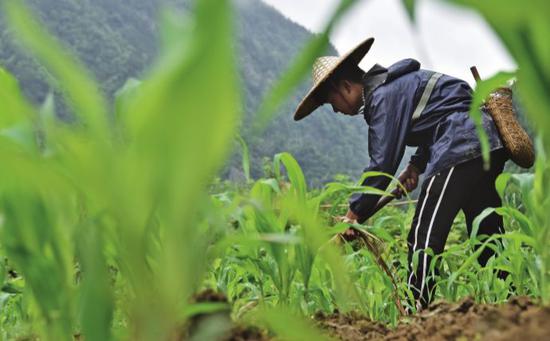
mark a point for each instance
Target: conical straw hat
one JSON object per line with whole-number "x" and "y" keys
{"x": 323, "y": 68}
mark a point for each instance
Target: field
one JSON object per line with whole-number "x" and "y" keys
{"x": 116, "y": 226}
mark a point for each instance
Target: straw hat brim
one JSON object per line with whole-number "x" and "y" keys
{"x": 310, "y": 103}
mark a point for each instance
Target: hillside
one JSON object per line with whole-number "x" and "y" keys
{"x": 118, "y": 40}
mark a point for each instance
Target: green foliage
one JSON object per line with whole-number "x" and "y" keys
{"x": 129, "y": 197}
{"x": 410, "y": 6}
{"x": 109, "y": 225}
{"x": 523, "y": 30}
{"x": 268, "y": 258}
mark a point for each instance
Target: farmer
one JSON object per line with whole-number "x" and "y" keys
{"x": 405, "y": 105}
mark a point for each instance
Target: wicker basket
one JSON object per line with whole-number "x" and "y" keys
{"x": 515, "y": 139}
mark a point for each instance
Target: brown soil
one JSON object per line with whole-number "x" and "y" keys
{"x": 234, "y": 332}
{"x": 247, "y": 333}
{"x": 209, "y": 295}
{"x": 518, "y": 319}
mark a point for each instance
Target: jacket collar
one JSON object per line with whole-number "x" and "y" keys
{"x": 372, "y": 79}
{"x": 378, "y": 75}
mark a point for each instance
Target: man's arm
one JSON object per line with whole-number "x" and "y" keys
{"x": 388, "y": 128}
{"x": 420, "y": 158}
{"x": 389, "y": 116}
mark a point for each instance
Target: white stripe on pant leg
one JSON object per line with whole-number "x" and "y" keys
{"x": 430, "y": 230}
{"x": 417, "y": 225}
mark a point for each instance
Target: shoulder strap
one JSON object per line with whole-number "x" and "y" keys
{"x": 426, "y": 95}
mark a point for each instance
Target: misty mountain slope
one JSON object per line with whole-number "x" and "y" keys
{"x": 115, "y": 39}
{"x": 324, "y": 143}
{"x": 118, "y": 39}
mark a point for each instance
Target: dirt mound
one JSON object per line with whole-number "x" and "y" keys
{"x": 217, "y": 325}
{"x": 246, "y": 333}
{"x": 351, "y": 326}
{"x": 209, "y": 295}
{"x": 520, "y": 318}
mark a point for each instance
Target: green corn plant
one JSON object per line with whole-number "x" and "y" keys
{"x": 523, "y": 30}
{"x": 111, "y": 225}
{"x": 127, "y": 190}
{"x": 286, "y": 259}
{"x": 254, "y": 282}
{"x": 271, "y": 219}
{"x": 130, "y": 193}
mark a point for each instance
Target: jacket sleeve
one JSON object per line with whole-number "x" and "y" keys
{"x": 420, "y": 158}
{"x": 389, "y": 122}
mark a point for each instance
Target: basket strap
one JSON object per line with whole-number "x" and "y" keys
{"x": 426, "y": 95}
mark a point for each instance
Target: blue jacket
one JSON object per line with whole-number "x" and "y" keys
{"x": 444, "y": 134}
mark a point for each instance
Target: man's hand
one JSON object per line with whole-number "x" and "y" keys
{"x": 350, "y": 218}
{"x": 409, "y": 179}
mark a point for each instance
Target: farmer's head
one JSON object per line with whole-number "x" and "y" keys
{"x": 338, "y": 82}
{"x": 343, "y": 91}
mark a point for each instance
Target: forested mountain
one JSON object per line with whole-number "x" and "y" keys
{"x": 115, "y": 39}
{"x": 118, "y": 39}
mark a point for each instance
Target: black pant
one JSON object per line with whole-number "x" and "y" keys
{"x": 467, "y": 187}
